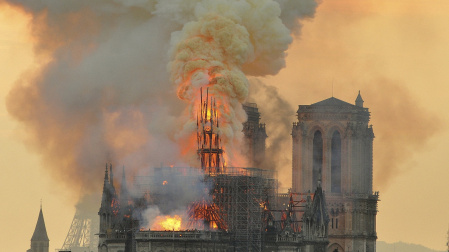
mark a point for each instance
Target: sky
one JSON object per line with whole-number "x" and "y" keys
{"x": 394, "y": 52}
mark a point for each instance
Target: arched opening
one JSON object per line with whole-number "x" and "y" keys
{"x": 317, "y": 158}
{"x": 335, "y": 248}
{"x": 336, "y": 163}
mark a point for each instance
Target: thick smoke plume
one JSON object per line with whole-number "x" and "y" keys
{"x": 226, "y": 41}
{"x": 104, "y": 93}
{"x": 278, "y": 114}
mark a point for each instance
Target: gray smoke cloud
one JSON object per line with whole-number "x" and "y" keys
{"x": 170, "y": 191}
{"x": 103, "y": 92}
{"x": 278, "y": 115}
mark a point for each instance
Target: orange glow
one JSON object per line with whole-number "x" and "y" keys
{"x": 115, "y": 206}
{"x": 167, "y": 223}
{"x": 165, "y": 182}
{"x": 202, "y": 212}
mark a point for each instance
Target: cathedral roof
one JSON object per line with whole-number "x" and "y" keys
{"x": 333, "y": 102}
{"x": 333, "y": 108}
{"x": 40, "y": 232}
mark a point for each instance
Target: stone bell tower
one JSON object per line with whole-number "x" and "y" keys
{"x": 333, "y": 142}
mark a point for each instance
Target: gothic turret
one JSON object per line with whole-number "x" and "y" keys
{"x": 316, "y": 218}
{"x": 39, "y": 240}
{"x": 255, "y": 135}
{"x": 111, "y": 176}
{"x": 359, "y": 101}
{"x": 104, "y": 198}
{"x": 108, "y": 208}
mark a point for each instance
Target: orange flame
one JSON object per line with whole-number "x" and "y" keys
{"x": 165, "y": 182}
{"x": 167, "y": 223}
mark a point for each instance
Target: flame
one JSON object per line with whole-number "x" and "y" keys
{"x": 202, "y": 213}
{"x": 167, "y": 223}
{"x": 115, "y": 206}
{"x": 206, "y": 57}
{"x": 165, "y": 182}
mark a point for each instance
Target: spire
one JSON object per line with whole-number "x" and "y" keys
{"x": 106, "y": 177}
{"x": 359, "y": 100}
{"x": 40, "y": 232}
{"x": 111, "y": 177}
{"x": 104, "y": 198}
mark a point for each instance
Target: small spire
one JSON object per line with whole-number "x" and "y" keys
{"x": 111, "y": 177}
{"x": 40, "y": 231}
{"x": 359, "y": 100}
{"x": 106, "y": 177}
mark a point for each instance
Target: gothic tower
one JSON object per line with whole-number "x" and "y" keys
{"x": 108, "y": 209}
{"x": 39, "y": 240}
{"x": 255, "y": 135}
{"x": 333, "y": 143}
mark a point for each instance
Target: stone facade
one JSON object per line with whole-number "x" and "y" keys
{"x": 274, "y": 229}
{"x": 333, "y": 143}
{"x": 255, "y": 135}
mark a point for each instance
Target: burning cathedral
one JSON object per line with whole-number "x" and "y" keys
{"x": 330, "y": 207}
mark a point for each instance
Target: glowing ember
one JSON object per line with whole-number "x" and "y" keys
{"x": 165, "y": 182}
{"x": 167, "y": 223}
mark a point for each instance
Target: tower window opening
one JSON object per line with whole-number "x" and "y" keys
{"x": 336, "y": 163}
{"x": 317, "y": 158}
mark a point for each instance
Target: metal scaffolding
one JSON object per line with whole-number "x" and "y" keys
{"x": 81, "y": 236}
{"x": 239, "y": 194}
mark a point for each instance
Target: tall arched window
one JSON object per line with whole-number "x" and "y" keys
{"x": 317, "y": 158}
{"x": 336, "y": 163}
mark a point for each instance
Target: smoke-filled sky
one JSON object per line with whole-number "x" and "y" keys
{"x": 84, "y": 84}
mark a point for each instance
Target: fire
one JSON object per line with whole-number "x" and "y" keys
{"x": 165, "y": 182}
{"x": 206, "y": 215}
{"x": 167, "y": 223}
{"x": 206, "y": 58}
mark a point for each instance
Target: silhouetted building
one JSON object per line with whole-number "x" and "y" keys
{"x": 39, "y": 240}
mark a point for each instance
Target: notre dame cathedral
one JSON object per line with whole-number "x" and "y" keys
{"x": 330, "y": 207}
{"x": 333, "y": 143}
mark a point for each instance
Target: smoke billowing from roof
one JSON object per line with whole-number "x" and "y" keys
{"x": 278, "y": 114}
{"x": 104, "y": 93}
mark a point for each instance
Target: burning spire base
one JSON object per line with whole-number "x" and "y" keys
{"x": 209, "y": 150}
